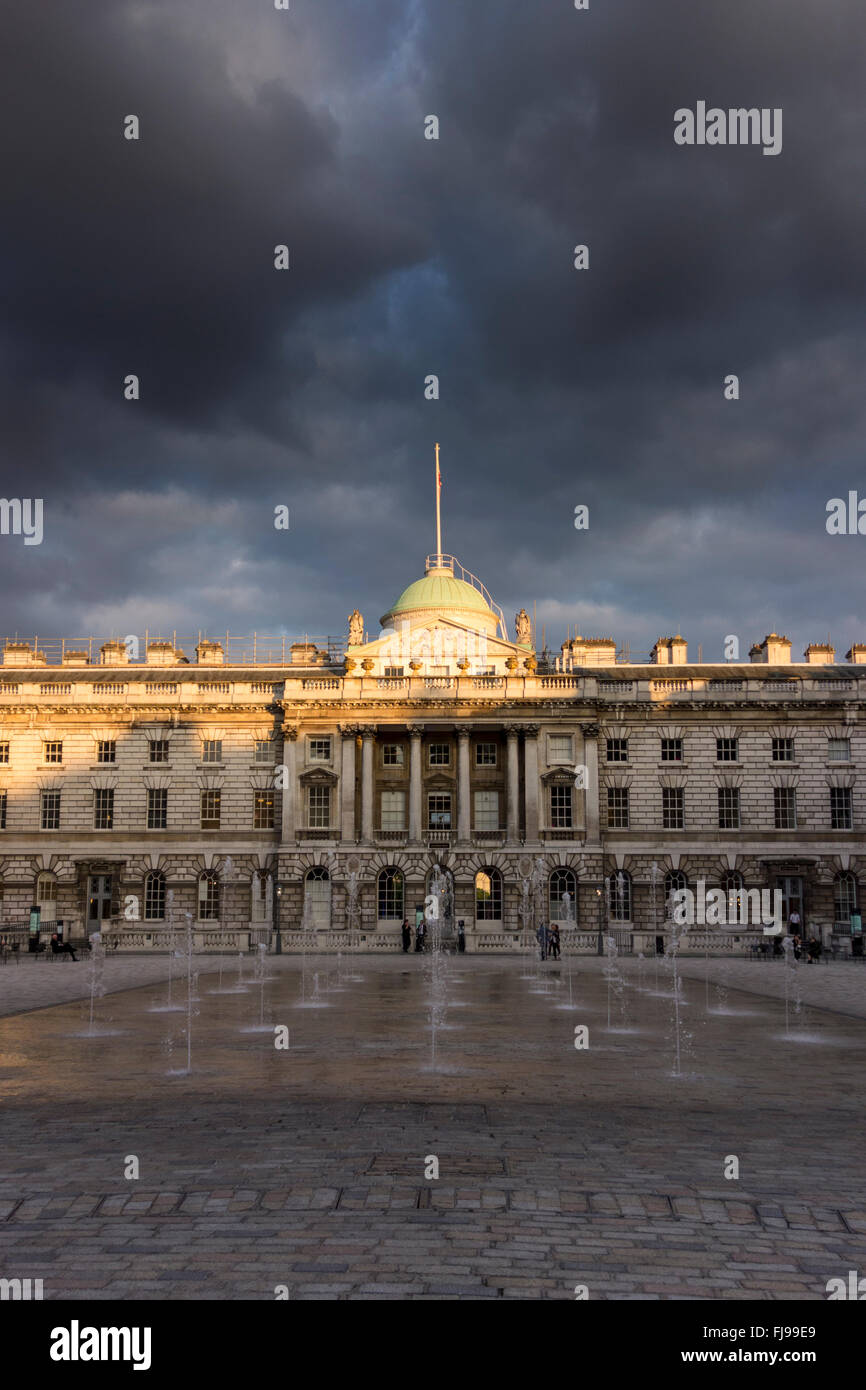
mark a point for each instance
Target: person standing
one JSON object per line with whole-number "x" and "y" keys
{"x": 419, "y": 936}
{"x": 406, "y": 933}
{"x": 461, "y": 936}
{"x": 554, "y": 941}
{"x": 543, "y": 936}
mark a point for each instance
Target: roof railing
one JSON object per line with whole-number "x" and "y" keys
{"x": 450, "y": 562}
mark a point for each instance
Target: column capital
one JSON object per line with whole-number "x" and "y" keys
{"x": 349, "y": 730}
{"x": 512, "y": 730}
{"x": 368, "y": 730}
{"x": 463, "y": 732}
{"x": 589, "y": 730}
{"x": 289, "y": 734}
{"x": 530, "y": 730}
{"x": 416, "y": 731}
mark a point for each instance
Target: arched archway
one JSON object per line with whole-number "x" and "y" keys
{"x": 390, "y": 894}
{"x": 563, "y": 897}
{"x": 154, "y": 896}
{"x": 317, "y": 899}
{"x": 46, "y": 898}
{"x": 488, "y": 895}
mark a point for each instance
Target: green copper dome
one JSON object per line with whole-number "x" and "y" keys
{"x": 439, "y": 592}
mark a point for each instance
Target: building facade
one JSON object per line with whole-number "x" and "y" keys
{"x": 306, "y": 794}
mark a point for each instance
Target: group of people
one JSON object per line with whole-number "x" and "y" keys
{"x": 421, "y": 936}
{"x": 548, "y": 940}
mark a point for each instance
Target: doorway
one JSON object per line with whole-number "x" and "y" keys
{"x": 98, "y": 899}
{"x": 792, "y": 899}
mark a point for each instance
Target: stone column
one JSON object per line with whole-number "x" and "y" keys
{"x": 349, "y": 734}
{"x": 367, "y": 785}
{"x": 289, "y": 791}
{"x": 530, "y": 773}
{"x": 464, "y": 820}
{"x": 415, "y": 786}
{"x": 590, "y": 758}
{"x": 513, "y": 786}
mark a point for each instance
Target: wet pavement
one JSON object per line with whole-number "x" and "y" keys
{"x": 308, "y": 1167}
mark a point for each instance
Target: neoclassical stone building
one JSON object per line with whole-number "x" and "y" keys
{"x": 311, "y": 787}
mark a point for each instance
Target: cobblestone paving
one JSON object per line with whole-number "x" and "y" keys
{"x": 557, "y": 1167}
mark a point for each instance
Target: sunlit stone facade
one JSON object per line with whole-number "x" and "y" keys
{"x": 136, "y": 792}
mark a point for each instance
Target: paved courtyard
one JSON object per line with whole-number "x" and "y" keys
{"x": 307, "y": 1167}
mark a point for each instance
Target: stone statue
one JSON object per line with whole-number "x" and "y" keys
{"x": 356, "y": 629}
{"x": 523, "y": 627}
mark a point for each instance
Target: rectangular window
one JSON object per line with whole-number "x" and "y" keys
{"x": 440, "y": 754}
{"x": 52, "y": 751}
{"x": 320, "y": 808}
{"x": 783, "y": 750}
{"x": 157, "y": 808}
{"x": 838, "y": 750}
{"x": 560, "y": 807}
{"x": 50, "y": 811}
{"x": 320, "y": 750}
{"x": 617, "y": 750}
{"x": 210, "y": 809}
{"x": 729, "y": 808}
{"x": 103, "y": 808}
{"x": 617, "y": 808}
{"x": 439, "y": 810}
{"x": 727, "y": 750}
{"x": 263, "y": 810}
{"x": 486, "y": 810}
{"x": 106, "y": 750}
{"x": 672, "y": 750}
{"x": 673, "y": 808}
{"x": 393, "y": 811}
{"x": 4, "y": 752}
{"x": 212, "y": 750}
{"x": 485, "y": 755}
{"x": 393, "y": 673}
{"x": 3, "y": 796}
{"x": 559, "y": 748}
{"x": 392, "y": 755}
{"x": 785, "y": 808}
{"x": 158, "y": 750}
{"x": 264, "y": 750}
{"x": 840, "y": 808}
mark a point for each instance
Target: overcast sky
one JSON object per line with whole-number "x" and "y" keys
{"x": 413, "y": 256}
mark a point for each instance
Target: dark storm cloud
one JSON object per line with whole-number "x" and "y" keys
{"x": 411, "y": 257}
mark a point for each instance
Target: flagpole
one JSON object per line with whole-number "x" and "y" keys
{"x": 438, "y": 512}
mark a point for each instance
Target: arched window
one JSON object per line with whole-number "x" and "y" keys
{"x": 317, "y": 899}
{"x": 563, "y": 896}
{"x": 447, "y": 902}
{"x": 46, "y": 897}
{"x": 844, "y": 898}
{"x": 391, "y": 894}
{"x": 154, "y": 896}
{"x": 209, "y": 898}
{"x": 675, "y": 879}
{"x": 732, "y": 887}
{"x": 488, "y": 895}
{"x": 260, "y": 898}
{"x": 620, "y": 896}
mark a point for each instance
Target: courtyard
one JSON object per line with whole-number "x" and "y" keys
{"x": 288, "y": 1145}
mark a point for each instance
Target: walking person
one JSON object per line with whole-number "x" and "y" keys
{"x": 554, "y": 941}
{"x": 419, "y": 935}
{"x": 543, "y": 936}
{"x": 461, "y": 936}
{"x": 406, "y": 933}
